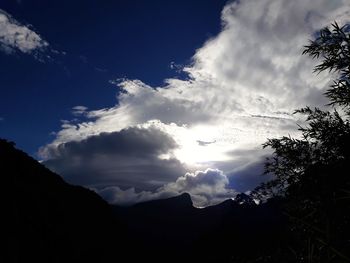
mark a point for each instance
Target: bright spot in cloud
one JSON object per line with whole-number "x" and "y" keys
{"x": 242, "y": 86}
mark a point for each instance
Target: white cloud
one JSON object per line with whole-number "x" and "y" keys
{"x": 243, "y": 84}
{"x": 207, "y": 187}
{"x": 79, "y": 110}
{"x": 17, "y": 37}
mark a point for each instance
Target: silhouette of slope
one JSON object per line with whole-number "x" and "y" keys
{"x": 164, "y": 225}
{"x": 44, "y": 219}
{"x": 219, "y": 233}
{"x": 48, "y": 220}
{"x": 183, "y": 202}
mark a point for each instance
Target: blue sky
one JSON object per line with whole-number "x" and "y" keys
{"x": 148, "y": 99}
{"x": 102, "y": 40}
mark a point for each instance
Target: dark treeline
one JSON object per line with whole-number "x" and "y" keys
{"x": 312, "y": 172}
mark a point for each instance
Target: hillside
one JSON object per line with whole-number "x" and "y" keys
{"x": 221, "y": 233}
{"x": 45, "y": 219}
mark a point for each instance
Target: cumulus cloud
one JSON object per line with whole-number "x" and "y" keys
{"x": 17, "y": 37}
{"x": 242, "y": 86}
{"x": 207, "y": 187}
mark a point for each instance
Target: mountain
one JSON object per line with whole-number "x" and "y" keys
{"x": 231, "y": 230}
{"x": 45, "y": 219}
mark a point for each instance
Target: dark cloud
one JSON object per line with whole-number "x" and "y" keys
{"x": 246, "y": 171}
{"x": 128, "y": 158}
{"x": 248, "y": 177}
{"x": 128, "y": 142}
{"x": 203, "y": 143}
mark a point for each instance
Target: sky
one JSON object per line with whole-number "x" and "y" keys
{"x": 140, "y": 100}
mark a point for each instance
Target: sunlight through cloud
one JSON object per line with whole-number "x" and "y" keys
{"x": 242, "y": 87}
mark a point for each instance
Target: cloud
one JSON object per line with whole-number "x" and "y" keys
{"x": 247, "y": 177}
{"x": 241, "y": 87}
{"x": 252, "y": 68}
{"x": 17, "y": 37}
{"x": 206, "y": 188}
{"x": 79, "y": 110}
{"x": 130, "y": 157}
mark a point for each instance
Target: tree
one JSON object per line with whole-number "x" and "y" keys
{"x": 311, "y": 172}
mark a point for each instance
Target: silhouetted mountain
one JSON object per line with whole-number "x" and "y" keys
{"x": 213, "y": 234}
{"x": 45, "y": 219}
{"x": 167, "y": 207}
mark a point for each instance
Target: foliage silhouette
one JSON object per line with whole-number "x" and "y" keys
{"x": 311, "y": 172}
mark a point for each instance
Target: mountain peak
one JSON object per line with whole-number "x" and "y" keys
{"x": 182, "y": 201}
{"x": 185, "y": 197}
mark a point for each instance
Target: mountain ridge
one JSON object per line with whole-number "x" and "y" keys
{"x": 49, "y": 220}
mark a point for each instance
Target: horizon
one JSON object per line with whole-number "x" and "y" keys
{"x": 142, "y": 101}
